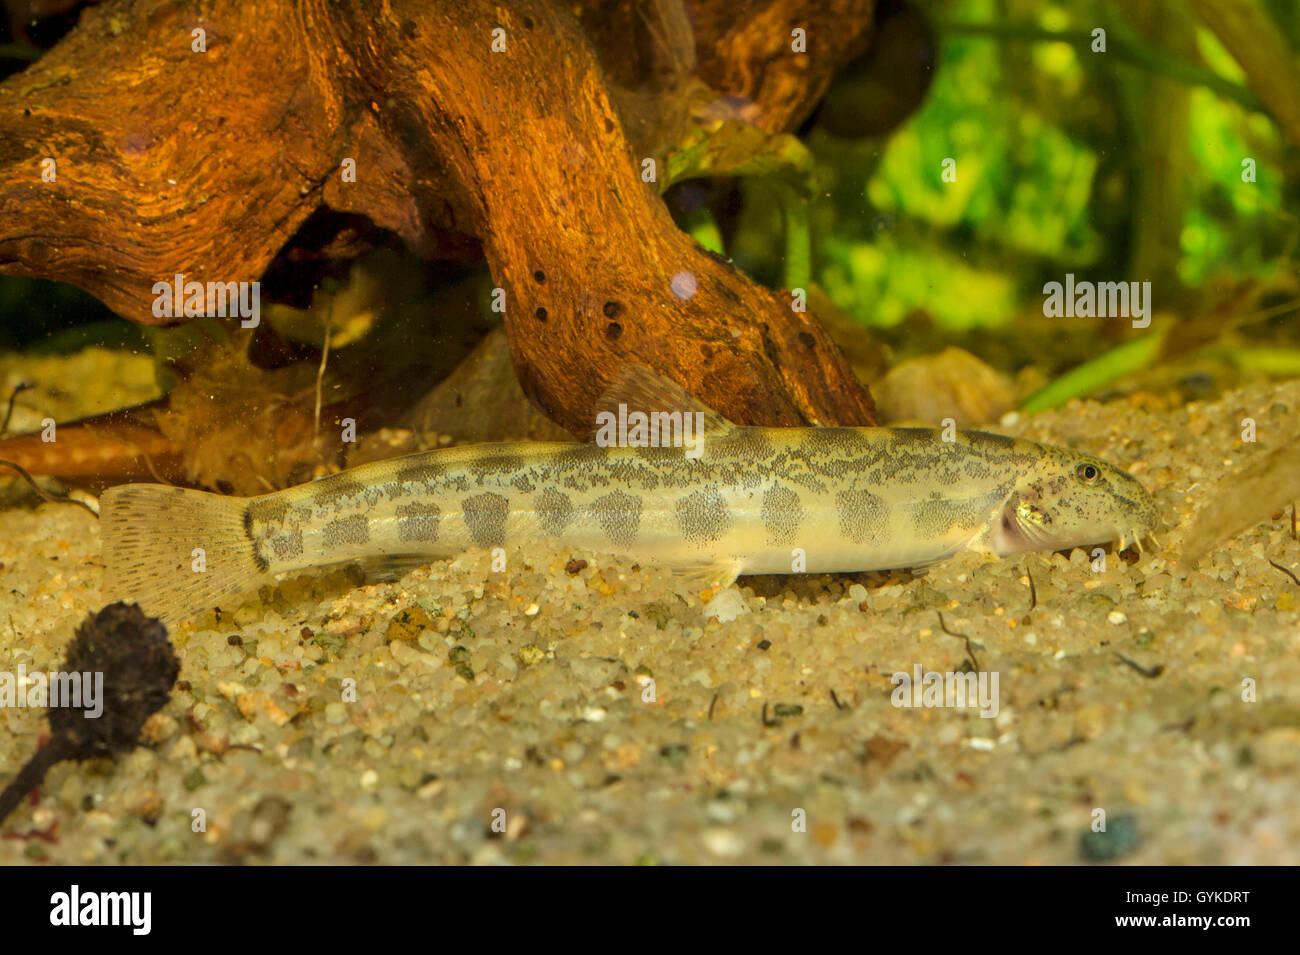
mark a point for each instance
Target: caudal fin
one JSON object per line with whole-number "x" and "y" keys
{"x": 175, "y": 551}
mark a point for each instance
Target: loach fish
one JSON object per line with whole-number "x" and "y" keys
{"x": 734, "y": 500}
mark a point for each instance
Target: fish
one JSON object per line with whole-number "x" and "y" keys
{"x": 704, "y": 505}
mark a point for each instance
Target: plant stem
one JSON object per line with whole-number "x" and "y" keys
{"x": 798, "y": 237}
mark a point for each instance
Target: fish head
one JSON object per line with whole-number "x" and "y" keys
{"x": 1071, "y": 499}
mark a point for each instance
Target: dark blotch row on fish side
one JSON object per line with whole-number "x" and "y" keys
{"x": 485, "y": 517}
{"x": 346, "y": 532}
{"x": 937, "y": 518}
{"x": 703, "y": 516}
{"x": 864, "y": 517}
{"x": 418, "y": 522}
{"x": 554, "y": 512}
{"x": 619, "y": 515}
{"x": 339, "y": 491}
{"x": 782, "y": 514}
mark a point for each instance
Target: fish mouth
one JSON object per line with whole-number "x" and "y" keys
{"x": 1010, "y": 535}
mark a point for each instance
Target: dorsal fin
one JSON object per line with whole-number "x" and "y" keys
{"x": 639, "y": 388}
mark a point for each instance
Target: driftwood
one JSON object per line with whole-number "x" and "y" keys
{"x": 208, "y": 163}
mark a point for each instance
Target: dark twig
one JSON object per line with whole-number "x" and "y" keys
{"x": 1294, "y": 578}
{"x": 1150, "y": 674}
{"x": 969, "y": 652}
{"x": 9, "y": 412}
{"x": 45, "y": 495}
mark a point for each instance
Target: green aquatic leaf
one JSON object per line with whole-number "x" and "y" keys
{"x": 734, "y": 147}
{"x": 1101, "y": 371}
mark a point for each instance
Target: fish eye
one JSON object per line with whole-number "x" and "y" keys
{"x": 1087, "y": 473}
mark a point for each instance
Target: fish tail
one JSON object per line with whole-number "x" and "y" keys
{"x": 176, "y": 551}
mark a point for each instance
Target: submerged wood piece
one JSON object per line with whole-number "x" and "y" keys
{"x": 1270, "y": 483}
{"x": 119, "y": 445}
{"x": 174, "y": 161}
{"x": 480, "y": 402}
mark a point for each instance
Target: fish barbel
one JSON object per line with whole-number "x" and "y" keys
{"x": 744, "y": 500}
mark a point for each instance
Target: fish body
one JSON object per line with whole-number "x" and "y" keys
{"x": 747, "y": 501}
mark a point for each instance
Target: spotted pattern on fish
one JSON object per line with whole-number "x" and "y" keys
{"x": 581, "y": 468}
{"x": 947, "y": 477}
{"x": 745, "y": 444}
{"x": 267, "y": 510}
{"x": 851, "y": 499}
{"x": 554, "y": 511}
{"x": 485, "y": 516}
{"x": 997, "y": 441}
{"x": 346, "y": 532}
{"x": 907, "y": 438}
{"x": 835, "y": 444}
{"x": 703, "y": 516}
{"x": 782, "y": 514}
{"x": 418, "y": 522}
{"x": 863, "y": 516}
{"x": 338, "y": 490}
{"x": 420, "y": 469}
{"x": 619, "y": 515}
{"x": 496, "y": 464}
{"x": 288, "y": 545}
{"x": 580, "y": 457}
{"x": 941, "y": 516}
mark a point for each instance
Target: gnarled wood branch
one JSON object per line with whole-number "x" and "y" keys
{"x": 205, "y": 163}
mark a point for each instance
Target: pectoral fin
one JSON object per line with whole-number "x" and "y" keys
{"x": 692, "y": 578}
{"x": 388, "y": 567}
